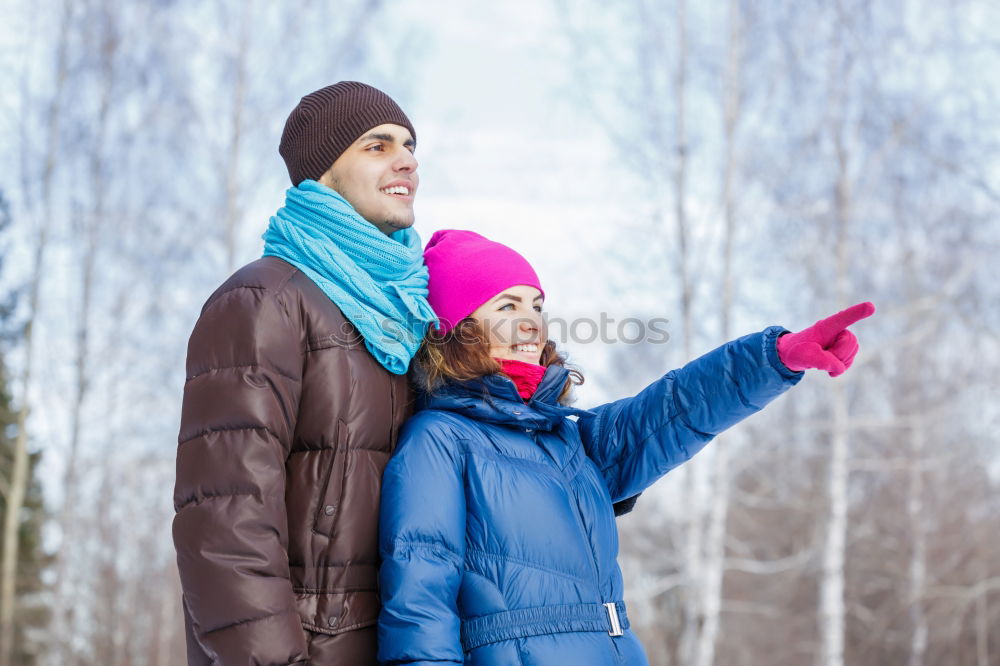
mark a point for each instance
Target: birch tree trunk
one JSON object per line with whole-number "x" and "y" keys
{"x": 88, "y": 232}
{"x": 913, "y": 403}
{"x": 696, "y": 473}
{"x": 918, "y": 554}
{"x": 18, "y": 484}
{"x": 983, "y": 623}
{"x": 16, "y": 492}
{"x": 715, "y": 542}
{"x": 19, "y": 478}
{"x": 832, "y": 587}
{"x": 234, "y": 195}
{"x": 834, "y": 552}
{"x": 165, "y": 628}
{"x": 110, "y": 587}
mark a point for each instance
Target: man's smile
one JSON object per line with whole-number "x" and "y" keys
{"x": 399, "y": 189}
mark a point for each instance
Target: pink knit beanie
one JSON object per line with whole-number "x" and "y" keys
{"x": 466, "y": 270}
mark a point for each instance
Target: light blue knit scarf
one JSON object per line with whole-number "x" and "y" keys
{"x": 378, "y": 281}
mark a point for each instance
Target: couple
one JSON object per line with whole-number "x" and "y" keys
{"x": 496, "y": 540}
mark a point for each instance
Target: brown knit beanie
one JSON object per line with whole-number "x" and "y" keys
{"x": 328, "y": 121}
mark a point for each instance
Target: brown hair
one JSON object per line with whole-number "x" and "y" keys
{"x": 463, "y": 353}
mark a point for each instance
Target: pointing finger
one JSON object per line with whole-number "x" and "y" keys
{"x": 828, "y": 328}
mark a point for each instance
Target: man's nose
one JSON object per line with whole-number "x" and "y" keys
{"x": 406, "y": 161}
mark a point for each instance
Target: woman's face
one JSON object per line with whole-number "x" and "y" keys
{"x": 513, "y": 324}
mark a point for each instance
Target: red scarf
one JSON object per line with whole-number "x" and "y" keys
{"x": 526, "y": 376}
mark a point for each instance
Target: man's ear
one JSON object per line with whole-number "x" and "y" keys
{"x": 327, "y": 178}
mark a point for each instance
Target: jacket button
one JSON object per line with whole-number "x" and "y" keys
{"x": 517, "y": 412}
{"x": 527, "y": 430}
{"x": 328, "y": 510}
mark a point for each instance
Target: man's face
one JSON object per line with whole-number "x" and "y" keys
{"x": 377, "y": 175}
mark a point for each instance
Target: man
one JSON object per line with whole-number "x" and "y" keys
{"x": 294, "y": 395}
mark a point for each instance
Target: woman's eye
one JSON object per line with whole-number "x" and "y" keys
{"x": 538, "y": 308}
{"x": 508, "y": 306}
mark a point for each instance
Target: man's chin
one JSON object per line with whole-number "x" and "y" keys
{"x": 393, "y": 225}
{"x": 399, "y": 222}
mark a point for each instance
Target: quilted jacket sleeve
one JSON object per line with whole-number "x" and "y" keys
{"x": 241, "y": 396}
{"x": 422, "y": 544}
{"x": 637, "y": 440}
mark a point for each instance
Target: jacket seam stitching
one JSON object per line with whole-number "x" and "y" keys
{"x": 279, "y": 302}
{"x": 269, "y": 616}
{"x": 325, "y": 342}
{"x": 280, "y": 287}
{"x": 208, "y": 496}
{"x": 547, "y": 468}
{"x": 338, "y": 630}
{"x": 219, "y": 296}
{"x": 575, "y": 463}
{"x": 598, "y": 434}
{"x": 771, "y": 358}
{"x": 336, "y": 590}
{"x": 209, "y": 431}
{"x": 256, "y": 287}
{"x": 334, "y": 448}
{"x": 243, "y": 365}
{"x": 518, "y": 644}
{"x": 433, "y": 547}
{"x": 680, "y": 415}
{"x": 676, "y": 414}
{"x": 527, "y": 563}
{"x": 332, "y": 565}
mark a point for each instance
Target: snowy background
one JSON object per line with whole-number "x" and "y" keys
{"x": 723, "y": 165}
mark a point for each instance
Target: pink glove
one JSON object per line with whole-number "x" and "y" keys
{"x": 826, "y": 345}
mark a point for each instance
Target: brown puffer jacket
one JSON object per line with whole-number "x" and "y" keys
{"x": 286, "y": 427}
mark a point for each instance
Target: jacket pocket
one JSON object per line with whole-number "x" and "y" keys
{"x": 334, "y": 613}
{"x": 333, "y": 488}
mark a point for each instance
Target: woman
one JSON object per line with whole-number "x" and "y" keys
{"x": 497, "y": 531}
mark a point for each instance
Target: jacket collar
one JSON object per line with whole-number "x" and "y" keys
{"x": 494, "y": 399}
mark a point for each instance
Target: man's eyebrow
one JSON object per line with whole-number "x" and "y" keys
{"x": 379, "y": 136}
{"x": 388, "y": 138}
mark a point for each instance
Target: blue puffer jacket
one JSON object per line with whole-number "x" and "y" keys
{"x": 497, "y": 532}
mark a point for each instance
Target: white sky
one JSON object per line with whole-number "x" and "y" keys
{"x": 502, "y": 150}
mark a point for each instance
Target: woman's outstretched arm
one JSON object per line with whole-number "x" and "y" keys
{"x": 637, "y": 440}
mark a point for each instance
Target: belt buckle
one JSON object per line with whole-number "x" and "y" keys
{"x": 616, "y": 626}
